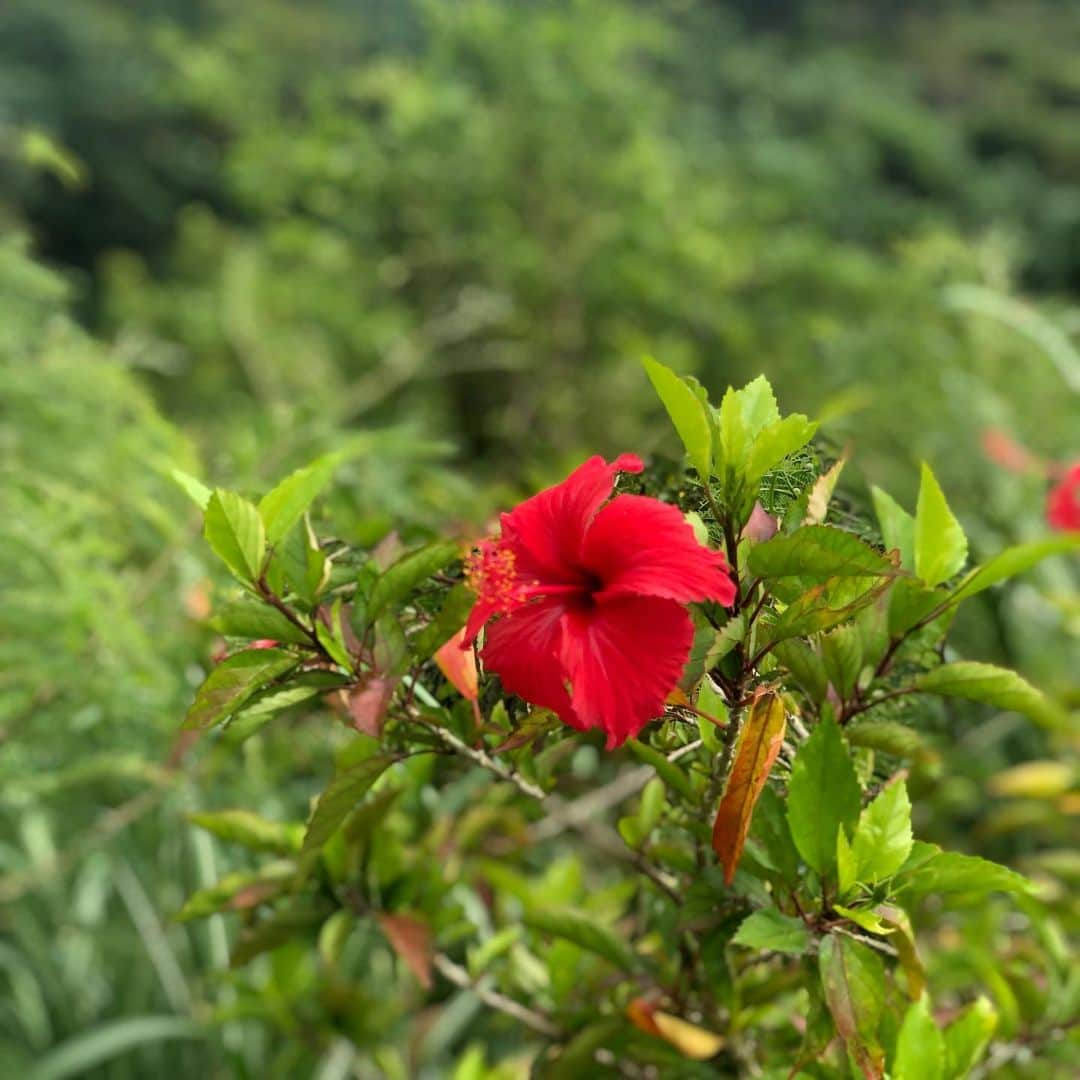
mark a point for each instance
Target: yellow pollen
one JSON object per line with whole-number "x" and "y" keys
{"x": 491, "y": 573}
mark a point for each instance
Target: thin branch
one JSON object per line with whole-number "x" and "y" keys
{"x": 531, "y": 1018}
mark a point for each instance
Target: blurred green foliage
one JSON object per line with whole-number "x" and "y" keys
{"x": 257, "y": 230}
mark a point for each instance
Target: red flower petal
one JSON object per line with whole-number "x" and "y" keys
{"x": 1063, "y": 503}
{"x": 546, "y": 530}
{"x": 622, "y": 659}
{"x": 641, "y": 546}
{"x": 523, "y": 650}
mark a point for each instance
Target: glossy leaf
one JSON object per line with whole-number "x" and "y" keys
{"x": 688, "y": 414}
{"x": 776, "y": 442}
{"x": 246, "y": 617}
{"x": 920, "y": 1048}
{"x": 413, "y": 568}
{"x": 234, "y": 530}
{"x": 283, "y": 506}
{"x": 823, "y": 795}
{"x": 952, "y": 872}
{"x": 883, "y": 838}
{"x": 1013, "y": 561}
{"x": 816, "y": 552}
{"x": 233, "y": 682}
{"x": 772, "y": 930}
{"x": 759, "y": 743}
{"x": 449, "y": 620}
{"x": 940, "y": 544}
{"x": 897, "y": 527}
{"x": 853, "y": 979}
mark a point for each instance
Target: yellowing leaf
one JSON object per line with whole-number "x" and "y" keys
{"x": 759, "y": 743}
{"x": 690, "y": 1040}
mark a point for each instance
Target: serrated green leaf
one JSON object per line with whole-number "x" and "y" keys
{"x": 251, "y": 831}
{"x": 265, "y": 705}
{"x": 1013, "y": 561}
{"x": 823, "y": 795}
{"x": 883, "y": 837}
{"x": 897, "y": 527}
{"x": 247, "y": 617}
{"x": 940, "y": 544}
{"x": 234, "y": 530}
{"x": 890, "y": 737}
{"x": 758, "y": 404}
{"x": 920, "y": 1048}
{"x": 976, "y": 681}
{"x": 195, "y": 489}
{"x": 805, "y": 667}
{"x": 822, "y": 607}
{"x": 853, "y": 979}
{"x": 233, "y": 682}
{"x": 967, "y": 1038}
{"x": 398, "y": 580}
{"x": 734, "y": 442}
{"x": 283, "y": 506}
{"x": 776, "y": 442}
{"x": 816, "y": 553}
{"x": 585, "y": 932}
{"x": 687, "y": 413}
{"x": 339, "y": 799}
{"x": 952, "y": 872}
{"x": 772, "y": 930}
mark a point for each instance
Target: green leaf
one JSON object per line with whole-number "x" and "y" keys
{"x": 332, "y": 637}
{"x": 668, "y": 771}
{"x": 967, "y": 1038}
{"x": 279, "y": 928}
{"x": 772, "y": 930}
{"x": 195, "y": 490}
{"x": 585, "y": 932}
{"x": 890, "y": 737}
{"x": 734, "y": 438}
{"x": 823, "y": 607}
{"x": 853, "y": 979}
{"x": 246, "y": 617}
{"x": 251, "y": 831}
{"x": 234, "y": 530}
{"x": 339, "y": 799}
{"x": 951, "y": 872}
{"x": 239, "y": 891}
{"x": 816, "y": 553}
{"x": 805, "y": 667}
{"x": 758, "y": 404}
{"x": 862, "y": 917}
{"x": 267, "y": 704}
{"x": 910, "y": 602}
{"x": 398, "y": 580}
{"x": 777, "y": 442}
{"x": 883, "y": 838}
{"x": 920, "y": 1048}
{"x": 841, "y": 652}
{"x": 940, "y": 544}
{"x": 823, "y": 794}
{"x": 992, "y": 685}
{"x": 897, "y": 527}
{"x": 449, "y": 620}
{"x": 282, "y": 507}
{"x": 688, "y": 414}
{"x": 847, "y": 870}
{"x": 83, "y": 1053}
{"x": 771, "y": 835}
{"x": 233, "y": 682}
{"x": 1013, "y": 561}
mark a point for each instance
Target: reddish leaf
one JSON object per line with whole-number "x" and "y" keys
{"x": 759, "y": 743}
{"x": 368, "y": 702}
{"x": 459, "y": 666}
{"x": 253, "y": 895}
{"x": 853, "y": 980}
{"x": 411, "y": 940}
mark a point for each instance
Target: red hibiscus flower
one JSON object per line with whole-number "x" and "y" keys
{"x": 1063, "y": 503}
{"x": 591, "y": 597}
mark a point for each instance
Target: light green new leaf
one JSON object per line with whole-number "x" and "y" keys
{"x": 776, "y": 442}
{"x": 234, "y": 530}
{"x": 195, "y": 489}
{"x": 897, "y": 527}
{"x": 993, "y": 685}
{"x": 952, "y": 872}
{"x": 920, "y": 1048}
{"x": 823, "y": 795}
{"x": 940, "y": 544}
{"x": 1013, "y": 561}
{"x": 585, "y": 932}
{"x": 283, "y": 507}
{"x": 233, "y": 682}
{"x": 344, "y": 792}
{"x": 771, "y": 929}
{"x": 688, "y": 414}
{"x": 968, "y": 1036}
{"x": 734, "y": 438}
{"x": 758, "y": 404}
{"x": 883, "y": 838}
